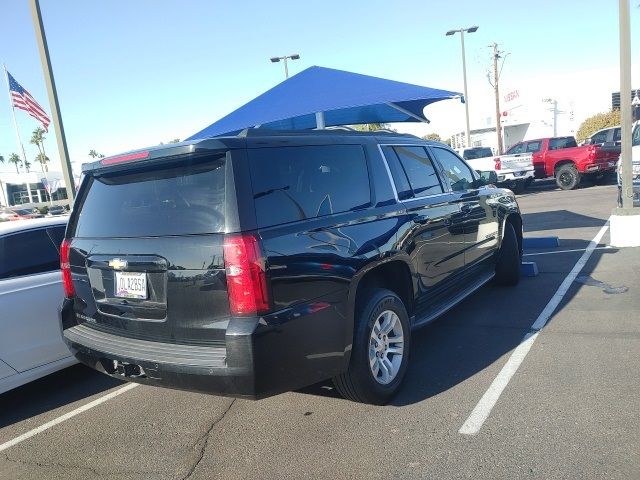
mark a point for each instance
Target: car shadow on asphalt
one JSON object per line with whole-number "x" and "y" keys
{"x": 53, "y": 391}
{"x": 558, "y": 220}
{"x": 480, "y": 331}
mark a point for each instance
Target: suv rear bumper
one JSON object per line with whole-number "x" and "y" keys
{"x": 260, "y": 357}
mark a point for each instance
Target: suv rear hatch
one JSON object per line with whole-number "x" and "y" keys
{"x": 146, "y": 250}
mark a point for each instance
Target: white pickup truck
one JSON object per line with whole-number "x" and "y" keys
{"x": 513, "y": 171}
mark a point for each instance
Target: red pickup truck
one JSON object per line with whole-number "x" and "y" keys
{"x": 560, "y": 157}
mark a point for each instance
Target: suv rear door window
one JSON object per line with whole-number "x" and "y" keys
{"x": 397, "y": 172}
{"x": 517, "y": 148}
{"x": 181, "y": 199}
{"x": 420, "y": 170}
{"x": 27, "y": 253}
{"x": 296, "y": 183}
{"x": 459, "y": 174}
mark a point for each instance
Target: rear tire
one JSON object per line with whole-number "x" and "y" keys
{"x": 518, "y": 187}
{"x": 508, "y": 264}
{"x": 375, "y": 350}
{"x": 567, "y": 177}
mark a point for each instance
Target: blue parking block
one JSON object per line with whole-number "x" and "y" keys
{"x": 529, "y": 269}
{"x": 541, "y": 242}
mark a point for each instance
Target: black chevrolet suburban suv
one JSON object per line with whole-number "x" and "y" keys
{"x": 268, "y": 261}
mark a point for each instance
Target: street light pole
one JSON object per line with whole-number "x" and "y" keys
{"x": 464, "y": 75}
{"x": 295, "y": 56}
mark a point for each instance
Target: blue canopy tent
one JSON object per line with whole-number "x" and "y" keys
{"x": 319, "y": 97}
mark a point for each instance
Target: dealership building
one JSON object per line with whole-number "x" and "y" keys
{"x": 33, "y": 189}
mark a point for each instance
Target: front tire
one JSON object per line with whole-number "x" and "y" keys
{"x": 568, "y": 177}
{"x": 508, "y": 263}
{"x": 380, "y": 352}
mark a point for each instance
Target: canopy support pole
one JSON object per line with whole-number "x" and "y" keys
{"x": 407, "y": 112}
{"x": 320, "y": 120}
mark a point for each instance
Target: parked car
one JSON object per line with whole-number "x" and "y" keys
{"x": 7, "y": 215}
{"x": 27, "y": 213}
{"x": 57, "y": 210}
{"x": 31, "y": 344}
{"x": 252, "y": 265}
{"x": 512, "y": 171}
{"x": 606, "y": 135}
{"x": 560, "y": 157}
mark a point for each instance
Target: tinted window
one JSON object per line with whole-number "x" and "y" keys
{"x": 599, "y": 137}
{"x": 295, "y": 183}
{"x": 562, "y": 142}
{"x": 459, "y": 174}
{"x": 533, "y": 147}
{"x": 397, "y": 172}
{"x": 635, "y": 136}
{"x": 517, "y": 148}
{"x": 473, "y": 153}
{"x": 187, "y": 198}
{"x": 420, "y": 171}
{"x": 617, "y": 134}
{"x": 27, "y": 253}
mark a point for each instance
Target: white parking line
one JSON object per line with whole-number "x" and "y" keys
{"x": 482, "y": 410}
{"x": 67, "y": 416}
{"x": 608, "y": 247}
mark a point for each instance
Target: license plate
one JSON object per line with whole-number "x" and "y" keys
{"x": 131, "y": 285}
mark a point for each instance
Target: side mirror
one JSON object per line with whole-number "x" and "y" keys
{"x": 588, "y": 141}
{"x": 486, "y": 178}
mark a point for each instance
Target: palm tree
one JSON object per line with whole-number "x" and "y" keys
{"x": 26, "y": 164}
{"x": 37, "y": 139}
{"x": 1, "y": 159}
{"x": 43, "y": 159}
{"x": 15, "y": 159}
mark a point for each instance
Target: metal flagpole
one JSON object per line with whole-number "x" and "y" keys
{"x": 15, "y": 124}
{"x": 56, "y": 119}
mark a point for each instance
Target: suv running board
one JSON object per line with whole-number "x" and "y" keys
{"x": 440, "y": 309}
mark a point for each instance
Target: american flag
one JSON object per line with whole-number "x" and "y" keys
{"x": 23, "y": 100}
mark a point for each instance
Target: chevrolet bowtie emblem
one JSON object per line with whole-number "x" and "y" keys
{"x": 118, "y": 264}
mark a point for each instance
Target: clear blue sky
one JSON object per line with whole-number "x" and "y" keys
{"x": 134, "y": 73}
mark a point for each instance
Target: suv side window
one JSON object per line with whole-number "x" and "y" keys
{"x": 296, "y": 183}
{"x": 617, "y": 134}
{"x": 419, "y": 170}
{"x": 400, "y": 179}
{"x": 27, "y": 253}
{"x": 459, "y": 175}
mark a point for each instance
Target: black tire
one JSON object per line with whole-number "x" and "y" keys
{"x": 358, "y": 383}
{"x": 568, "y": 177}
{"x": 508, "y": 262}
{"x": 528, "y": 182}
{"x": 518, "y": 186}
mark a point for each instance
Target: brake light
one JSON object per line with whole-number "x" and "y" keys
{"x": 246, "y": 278}
{"x": 124, "y": 158}
{"x": 498, "y": 163}
{"x": 65, "y": 266}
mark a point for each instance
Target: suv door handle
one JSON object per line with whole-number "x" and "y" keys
{"x": 422, "y": 219}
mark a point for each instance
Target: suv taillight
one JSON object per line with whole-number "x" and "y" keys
{"x": 498, "y": 163}
{"x": 246, "y": 278}
{"x": 65, "y": 266}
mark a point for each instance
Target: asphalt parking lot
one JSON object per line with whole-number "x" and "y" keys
{"x": 564, "y": 403}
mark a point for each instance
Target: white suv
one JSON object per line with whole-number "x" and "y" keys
{"x": 31, "y": 344}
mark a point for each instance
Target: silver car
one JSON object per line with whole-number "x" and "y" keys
{"x": 31, "y": 343}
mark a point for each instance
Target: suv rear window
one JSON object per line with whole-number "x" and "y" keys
{"x": 181, "y": 199}
{"x": 296, "y": 183}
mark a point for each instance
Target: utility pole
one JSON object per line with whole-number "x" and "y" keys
{"x": 53, "y": 99}
{"x": 496, "y": 89}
